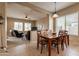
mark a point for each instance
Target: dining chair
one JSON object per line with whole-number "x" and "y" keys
{"x": 58, "y": 41}
{"x": 39, "y": 38}
{"x": 44, "y": 42}
{"x": 54, "y": 43}
{"x": 64, "y": 37}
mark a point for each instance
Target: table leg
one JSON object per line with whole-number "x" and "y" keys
{"x": 38, "y": 43}
{"x": 57, "y": 47}
{"x": 49, "y": 47}
{"x": 68, "y": 39}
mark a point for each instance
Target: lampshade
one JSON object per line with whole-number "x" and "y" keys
{"x": 55, "y": 15}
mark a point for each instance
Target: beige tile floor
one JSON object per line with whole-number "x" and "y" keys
{"x": 26, "y": 48}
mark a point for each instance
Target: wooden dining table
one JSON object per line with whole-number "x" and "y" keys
{"x": 50, "y": 39}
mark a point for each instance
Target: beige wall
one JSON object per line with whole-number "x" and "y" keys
{"x": 69, "y": 10}
{"x": 43, "y": 22}
{"x": 10, "y": 24}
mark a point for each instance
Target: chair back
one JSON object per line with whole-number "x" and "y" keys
{"x": 62, "y": 34}
{"x": 13, "y": 33}
{"x": 16, "y": 32}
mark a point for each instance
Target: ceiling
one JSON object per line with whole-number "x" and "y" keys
{"x": 16, "y": 10}
{"x": 50, "y": 6}
{"x": 1, "y": 7}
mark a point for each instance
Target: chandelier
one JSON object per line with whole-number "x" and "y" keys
{"x": 55, "y": 15}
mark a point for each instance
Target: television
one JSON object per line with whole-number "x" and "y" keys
{"x": 33, "y": 28}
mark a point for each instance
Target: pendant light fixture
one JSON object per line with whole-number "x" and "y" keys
{"x": 55, "y": 15}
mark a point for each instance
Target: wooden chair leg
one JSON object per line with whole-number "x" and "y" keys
{"x": 62, "y": 45}
{"x": 41, "y": 48}
{"x": 57, "y": 49}
{"x": 37, "y": 45}
{"x": 65, "y": 43}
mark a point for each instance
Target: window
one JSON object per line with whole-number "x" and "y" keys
{"x": 18, "y": 26}
{"x": 60, "y": 23}
{"x": 68, "y": 22}
{"x": 72, "y": 23}
{"x": 27, "y": 26}
{"x": 39, "y": 27}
